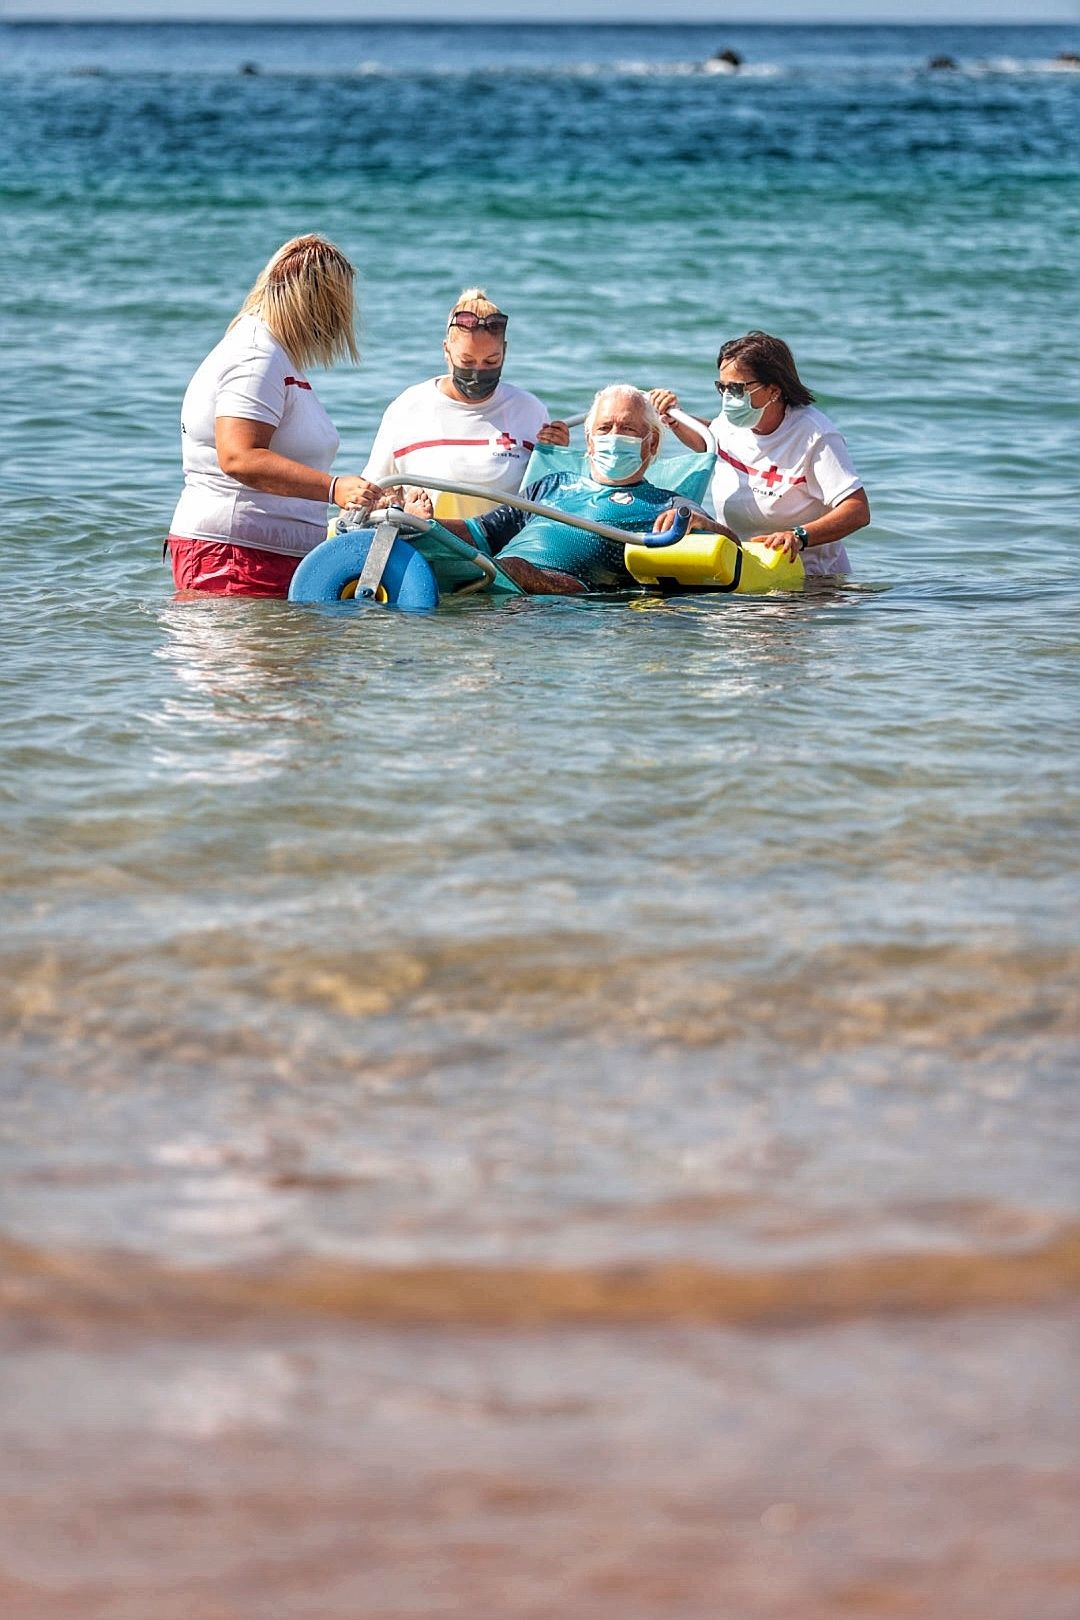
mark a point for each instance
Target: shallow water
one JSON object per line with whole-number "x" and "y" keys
{"x": 568, "y": 1104}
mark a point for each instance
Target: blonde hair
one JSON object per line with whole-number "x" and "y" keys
{"x": 305, "y": 296}
{"x": 476, "y": 299}
{"x": 645, "y": 405}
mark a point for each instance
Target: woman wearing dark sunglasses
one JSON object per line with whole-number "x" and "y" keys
{"x": 783, "y": 476}
{"x": 468, "y": 425}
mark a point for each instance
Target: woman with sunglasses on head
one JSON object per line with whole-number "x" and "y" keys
{"x": 468, "y": 425}
{"x": 783, "y": 473}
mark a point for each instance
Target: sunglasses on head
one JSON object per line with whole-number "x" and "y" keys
{"x": 471, "y": 322}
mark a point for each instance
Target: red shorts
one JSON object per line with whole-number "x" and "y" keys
{"x": 220, "y": 569}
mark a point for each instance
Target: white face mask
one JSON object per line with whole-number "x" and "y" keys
{"x": 617, "y": 455}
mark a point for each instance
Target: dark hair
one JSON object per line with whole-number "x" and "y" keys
{"x": 771, "y": 361}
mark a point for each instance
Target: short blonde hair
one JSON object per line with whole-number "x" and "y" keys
{"x": 476, "y": 299}
{"x": 305, "y": 296}
{"x": 648, "y": 410}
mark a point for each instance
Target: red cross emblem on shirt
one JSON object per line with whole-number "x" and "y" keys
{"x": 505, "y": 442}
{"x": 773, "y": 476}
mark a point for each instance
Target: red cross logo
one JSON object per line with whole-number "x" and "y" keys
{"x": 505, "y": 442}
{"x": 297, "y": 382}
{"x": 773, "y": 476}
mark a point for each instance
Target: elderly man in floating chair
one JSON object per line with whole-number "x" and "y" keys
{"x": 619, "y": 484}
{"x": 607, "y": 496}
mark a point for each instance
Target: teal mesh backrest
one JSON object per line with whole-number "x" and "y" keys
{"x": 687, "y": 474}
{"x": 443, "y": 551}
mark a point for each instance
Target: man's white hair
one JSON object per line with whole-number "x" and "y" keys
{"x": 644, "y": 404}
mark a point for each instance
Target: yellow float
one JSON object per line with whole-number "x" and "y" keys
{"x": 712, "y": 562}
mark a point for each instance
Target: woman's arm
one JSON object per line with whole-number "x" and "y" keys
{"x": 243, "y": 452}
{"x": 554, "y": 433}
{"x": 852, "y": 513}
{"x": 665, "y": 401}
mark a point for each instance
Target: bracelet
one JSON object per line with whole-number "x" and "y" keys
{"x": 330, "y": 492}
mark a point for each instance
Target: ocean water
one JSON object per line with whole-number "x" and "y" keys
{"x": 566, "y": 1107}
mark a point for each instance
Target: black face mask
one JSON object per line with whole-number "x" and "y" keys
{"x": 474, "y": 382}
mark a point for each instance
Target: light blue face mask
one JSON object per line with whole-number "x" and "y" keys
{"x": 739, "y": 411}
{"x": 617, "y": 455}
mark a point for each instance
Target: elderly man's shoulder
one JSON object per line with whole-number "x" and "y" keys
{"x": 543, "y": 488}
{"x": 655, "y": 494}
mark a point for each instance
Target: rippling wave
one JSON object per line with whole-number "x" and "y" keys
{"x": 55, "y": 1294}
{"x": 603, "y": 70}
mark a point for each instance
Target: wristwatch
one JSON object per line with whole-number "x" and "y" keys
{"x": 801, "y": 536}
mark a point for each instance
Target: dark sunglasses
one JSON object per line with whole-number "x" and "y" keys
{"x": 470, "y": 322}
{"x": 737, "y": 390}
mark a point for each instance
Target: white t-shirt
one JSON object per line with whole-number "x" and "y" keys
{"x": 765, "y": 482}
{"x": 488, "y": 442}
{"x": 250, "y": 375}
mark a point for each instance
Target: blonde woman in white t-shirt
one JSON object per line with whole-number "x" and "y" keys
{"x": 468, "y": 425}
{"x": 783, "y": 476}
{"x": 257, "y": 444}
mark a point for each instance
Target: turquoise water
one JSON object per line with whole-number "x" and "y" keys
{"x": 449, "y": 1061}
